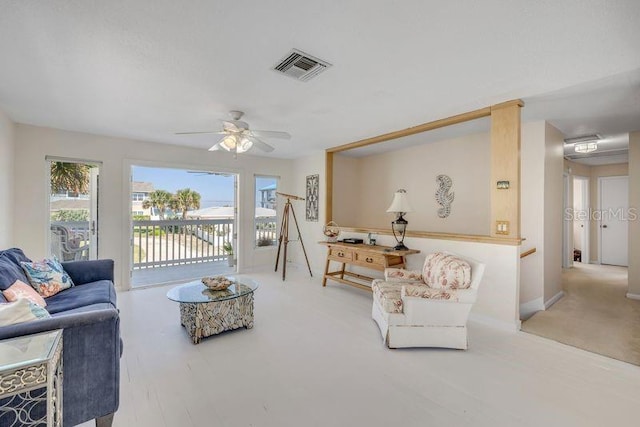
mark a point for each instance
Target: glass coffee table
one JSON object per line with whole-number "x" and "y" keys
{"x": 205, "y": 312}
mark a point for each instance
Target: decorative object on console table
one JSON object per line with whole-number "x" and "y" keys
{"x": 360, "y": 255}
{"x": 332, "y": 231}
{"x": 443, "y": 197}
{"x": 400, "y": 206}
{"x": 313, "y": 195}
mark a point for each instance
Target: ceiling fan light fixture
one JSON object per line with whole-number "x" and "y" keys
{"x": 586, "y": 147}
{"x": 245, "y": 145}
{"x": 229, "y": 142}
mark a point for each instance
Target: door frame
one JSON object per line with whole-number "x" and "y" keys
{"x": 601, "y": 179}
{"x": 586, "y": 203}
{"x": 567, "y": 227}
{"x": 127, "y": 229}
{"x": 94, "y": 184}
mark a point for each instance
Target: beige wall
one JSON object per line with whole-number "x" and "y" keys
{"x": 498, "y": 295}
{"x": 553, "y": 215}
{"x": 311, "y": 231}
{"x": 117, "y": 155}
{"x": 634, "y": 226}
{"x": 347, "y": 197}
{"x": 532, "y": 214}
{"x": 541, "y": 215}
{"x": 7, "y": 148}
{"x": 466, "y": 160}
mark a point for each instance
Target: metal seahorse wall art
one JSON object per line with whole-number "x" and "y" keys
{"x": 443, "y": 197}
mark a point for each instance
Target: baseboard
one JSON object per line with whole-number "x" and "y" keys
{"x": 633, "y": 296}
{"x": 529, "y": 308}
{"x": 494, "y": 323}
{"x": 554, "y": 299}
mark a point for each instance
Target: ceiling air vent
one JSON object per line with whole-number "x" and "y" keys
{"x": 301, "y": 66}
{"x": 582, "y": 138}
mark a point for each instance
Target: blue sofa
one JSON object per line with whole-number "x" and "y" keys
{"x": 91, "y": 339}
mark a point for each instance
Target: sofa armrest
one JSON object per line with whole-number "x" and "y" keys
{"x": 402, "y": 275}
{"x": 82, "y": 272}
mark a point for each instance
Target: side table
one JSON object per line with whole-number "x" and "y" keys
{"x": 205, "y": 312}
{"x": 361, "y": 255}
{"x": 31, "y": 380}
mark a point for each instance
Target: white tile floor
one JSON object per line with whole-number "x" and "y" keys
{"x": 179, "y": 273}
{"x": 315, "y": 358}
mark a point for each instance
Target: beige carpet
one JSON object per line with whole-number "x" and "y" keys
{"x": 594, "y": 314}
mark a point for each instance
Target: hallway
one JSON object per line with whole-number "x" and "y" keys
{"x": 594, "y": 314}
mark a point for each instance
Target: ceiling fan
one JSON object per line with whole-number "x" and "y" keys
{"x": 238, "y": 138}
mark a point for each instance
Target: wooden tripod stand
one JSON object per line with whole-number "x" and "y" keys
{"x": 284, "y": 234}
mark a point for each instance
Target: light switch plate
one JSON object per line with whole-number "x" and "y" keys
{"x": 502, "y": 227}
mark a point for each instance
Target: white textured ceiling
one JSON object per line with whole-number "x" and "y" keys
{"x": 145, "y": 69}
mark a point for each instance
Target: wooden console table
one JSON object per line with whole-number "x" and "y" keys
{"x": 361, "y": 255}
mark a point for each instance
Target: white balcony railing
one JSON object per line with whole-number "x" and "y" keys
{"x": 178, "y": 242}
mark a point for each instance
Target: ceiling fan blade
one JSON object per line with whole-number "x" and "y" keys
{"x": 216, "y": 147}
{"x": 260, "y": 144}
{"x": 229, "y": 127}
{"x": 196, "y": 133}
{"x": 234, "y": 125}
{"x": 270, "y": 134}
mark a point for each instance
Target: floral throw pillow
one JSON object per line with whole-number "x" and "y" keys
{"x": 446, "y": 271}
{"x": 47, "y": 276}
{"x": 19, "y": 289}
{"x": 20, "y": 311}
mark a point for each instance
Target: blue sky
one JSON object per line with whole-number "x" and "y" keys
{"x": 215, "y": 190}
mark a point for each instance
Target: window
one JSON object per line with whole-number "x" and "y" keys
{"x": 138, "y": 197}
{"x": 265, "y": 212}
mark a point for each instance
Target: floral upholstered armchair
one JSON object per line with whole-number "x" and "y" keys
{"x": 427, "y": 308}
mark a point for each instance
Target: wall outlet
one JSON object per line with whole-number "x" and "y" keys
{"x": 502, "y": 227}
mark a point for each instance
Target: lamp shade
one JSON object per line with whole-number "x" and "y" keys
{"x": 400, "y": 202}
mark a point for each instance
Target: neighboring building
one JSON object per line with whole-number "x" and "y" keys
{"x": 268, "y": 196}
{"x": 139, "y": 193}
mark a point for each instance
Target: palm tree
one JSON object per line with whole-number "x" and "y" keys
{"x": 72, "y": 177}
{"x": 158, "y": 199}
{"x": 185, "y": 200}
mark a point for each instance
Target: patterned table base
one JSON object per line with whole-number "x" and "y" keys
{"x": 210, "y": 318}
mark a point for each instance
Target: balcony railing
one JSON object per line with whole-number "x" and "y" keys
{"x": 266, "y": 231}
{"x": 177, "y": 242}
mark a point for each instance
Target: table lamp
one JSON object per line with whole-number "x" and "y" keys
{"x": 399, "y": 206}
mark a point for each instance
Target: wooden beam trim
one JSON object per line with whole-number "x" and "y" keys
{"x": 527, "y": 253}
{"x": 328, "y": 181}
{"x": 477, "y": 238}
{"x": 460, "y": 118}
{"x": 518, "y": 102}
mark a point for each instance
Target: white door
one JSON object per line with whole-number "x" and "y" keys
{"x": 93, "y": 213}
{"x": 73, "y": 209}
{"x": 614, "y": 201}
